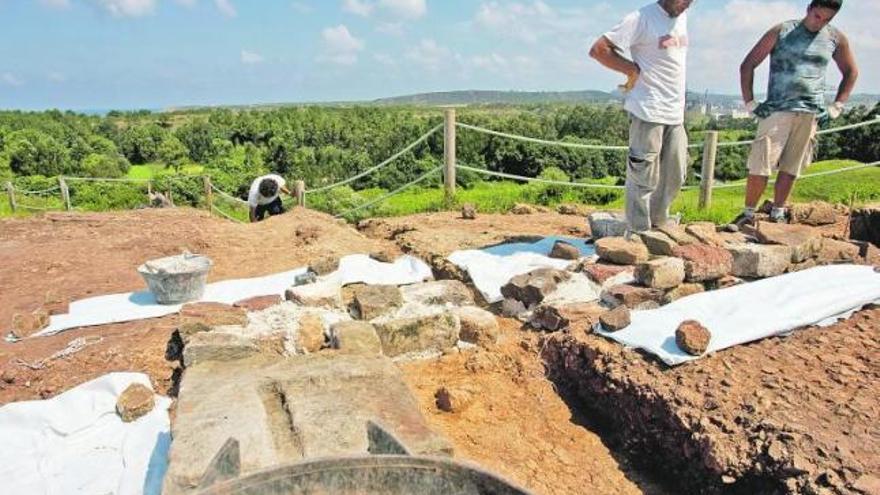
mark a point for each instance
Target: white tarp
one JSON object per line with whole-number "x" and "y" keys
{"x": 492, "y": 268}
{"x": 749, "y": 312}
{"x": 132, "y": 306}
{"x": 76, "y": 444}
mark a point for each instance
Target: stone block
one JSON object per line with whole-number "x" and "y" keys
{"x": 632, "y": 296}
{"x": 565, "y": 251}
{"x": 804, "y": 241}
{"x": 677, "y": 233}
{"x": 532, "y": 288}
{"x": 469, "y": 212}
{"x": 212, "y": 314}
{"x": 602, "y": 272}
{"x": 693, "y": 338}
{"x": 658, "y": 243}
{"x": 834, "y": 251}
{"x": 325, "y": 294}
{"x": 616, "y": 319}
{"x": 135, "y": 402}
{"x": 682, "y": 291}
{"x": 621, "y": 251}
{"x": 324, "y": 265}
{"x": 815, "y": 214}
{"x": 310, "y": 336}
{"x": 355, "y": 337}
{"x": 703, "y": 262}
{"x": 605, "y": 224}
{"x": 760, "y": 260}
{"x": 478, "y": 326}
{"x": 434, "y": 332}
{"x": 27, "y": 324}
{"x": 259, "y": 303}
{"x": 373, "y": 301}
{"x": 216, "y": 346}
{"x": 577, "y": 317}
{"x": 705, "y": 232}
{"x": 441, "y": 292}
{"x": 661, "y": 273}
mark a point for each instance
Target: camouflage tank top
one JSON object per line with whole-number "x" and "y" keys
{"x": 798, "y": 65}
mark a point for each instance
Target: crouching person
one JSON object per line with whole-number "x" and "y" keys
{"x": 264, "y": 196}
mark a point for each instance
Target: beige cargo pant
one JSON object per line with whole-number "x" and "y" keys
{"x": 656, "y": 169}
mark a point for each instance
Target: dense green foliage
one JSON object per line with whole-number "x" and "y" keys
{"x": 322, "y": 145}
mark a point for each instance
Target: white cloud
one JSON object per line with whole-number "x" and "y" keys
{"x": 251, "y": 58}
{"x": 11, "y": 79}
{"x": 128, "y": 8}
{"x": 535, "y": 21}
{"x": 226, "y": 8}
{"x": 430, "y": 55}
{"x": 340, "y": 46}
{"x": 358, "y": 7}
{"x": 405, "y": 9}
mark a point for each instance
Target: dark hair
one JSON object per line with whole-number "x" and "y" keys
{"x": 828, "y": 4}
{"x": 268, "y": 188}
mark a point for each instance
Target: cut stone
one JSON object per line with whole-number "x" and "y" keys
{"x": 702, "y": 262}
{"x": 478, "y": 326}
{"x": 693, "y": 338}
{"x": 621, "y": 251}
{"x": 469, "y": 212}
{"x": 631, "y": 296}
{"x": 577, "y": 317}
{"x": 605, "y": 224}
{"x": 310, "y": 337}
{"x": 816, "y": 213}
{"x": 325, "y": 294}
{"x": 373, "y": 301}
{"x": 325, "y": 265}
{"x": 441, "y": 293}
{"x": 135, "y": 402}
{"x": 682, "y": 291}
{"x": 565, "y": 251}
{"x": 434, "y": 332}
{"x": 705, "y": 232}
{"x": 602, "y": 272}
{"x": 355, "y": 337}
{"x": 212, "y": 314}
{"x": 834, "y": 251}
{"x": 804, "y": 241}
{"x": 455, "y": 399}
{"x": 616, "y": 319}
{"x": 532, "y": 288}
{"x": 661, "y": 273}
{"x": 760, "y": 260}
{"x": 259, "y": 303}
{"x": 658, "y": 243}
{"x": 217, "y": 346}
{"x": 677, "y": 234}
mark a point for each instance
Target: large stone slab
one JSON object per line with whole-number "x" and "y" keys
{"x": 658, "y": 243}
{"x": 324, "y": 294}
{"x": 805, "y": 242}
{"x": 430, "y": 332}
{"x": 355, "y": 337}
{"x": 760, "y": 260}
{"x": 815, "y": 213}
{"x": 217, "y": 347}
{"x": 532, "y": 288}
{"x": 287, "y": 411}
{"x": 478, "y": 326}
{"x": 678, "y": 233}
{"x": 661, "y": 273}
{"x": 633, "y": 297}
{"x": 605, "y": 224}
{"x": 577, "y": 317}
{"x": 441, "y": 292}
{"x": 705, "y": 232}
{"x": 621, "y": 251}
{"x": 704, "y": 263}
{"x": 834, "y": 251}
{"x": 373, "y": 301}
{"x": 603, "y": 272}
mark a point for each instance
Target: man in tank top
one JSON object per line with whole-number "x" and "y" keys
{"x": 799, "y": 51}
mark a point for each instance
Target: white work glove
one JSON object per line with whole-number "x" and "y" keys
{"x": 751, "y": 106}
{"x": 835, "y": 110}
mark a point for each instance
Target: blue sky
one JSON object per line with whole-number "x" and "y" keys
{"x": 99, "y": 54}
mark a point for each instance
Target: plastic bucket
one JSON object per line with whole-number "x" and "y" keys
{"x": 177, "y": 279}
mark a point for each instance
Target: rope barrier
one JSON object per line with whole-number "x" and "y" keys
{"x": 227, "y": 195}
{"x": 222, "y": 213}
{"x": 392, "y": 193}
{"x": 563, "y": 144}
{"x": 537, "y": 180}
{"x": 379, "y": 166}
{"x": 103, "y": 179}
{"x": 807, "y": 176}
{"x": 37, "y": 193}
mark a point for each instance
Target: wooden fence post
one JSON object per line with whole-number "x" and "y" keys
{"x": 299, "y": 190}
{"x": 65, "y": 193}
{"x": 710, "y": 153}
{"x": 449, "y": 153}
{"x": 209, "y": 194}
{"x": 10, "y": 190}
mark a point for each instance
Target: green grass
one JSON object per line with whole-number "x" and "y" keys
{"x": 151, "y": 170}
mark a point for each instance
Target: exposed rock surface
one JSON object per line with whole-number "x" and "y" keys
{"x": 661, "y": 273}
{"x": 478, "y": 326}
{"x": 816, "y": 213}
{"x": 760, "y": 260}
{"x": 703, "y": 263}
{"x": 578, "y": 317}
{"x": 258, "y": 303}
{"x": 355, "y": 337}
{"x": 532, "y": 288}
{"x": 440, "y": 292}
{"x": 633, "y": 297}
{"x": 217, "y": 346}
{"x": 805, "y": 242}
{"x": 658, "y": 243}
{"x": 603, "y": 272}
{"x": 433, "y": 332}
{"x": 621, "y": 251}
{"x": 373, "y": 301}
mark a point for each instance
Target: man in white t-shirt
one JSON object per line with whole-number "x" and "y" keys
{"x": 656, "y": 37}
{"x": 264, "y": 196}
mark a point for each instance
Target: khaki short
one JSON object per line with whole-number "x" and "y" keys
{"x": 785, "y": 142}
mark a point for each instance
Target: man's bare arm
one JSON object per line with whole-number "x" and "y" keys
{"x": 252, "y": 214}
{"x": 609, "y": 55}
{"x": 754, "y": 59}
{"x": 846, "y": 62}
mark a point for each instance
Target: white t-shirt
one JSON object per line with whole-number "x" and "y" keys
{"x": 255, "y": 198}
{"x": 658, "y": 44}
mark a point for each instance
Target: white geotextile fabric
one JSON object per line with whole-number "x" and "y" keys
{"x": 749, "y": 312}
{"x": 132, "y": 306}
{"x": 76, "y": 444}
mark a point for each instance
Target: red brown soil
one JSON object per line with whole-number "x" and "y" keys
{"x": 798, "y": 414}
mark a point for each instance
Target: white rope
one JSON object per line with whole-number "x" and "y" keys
{"x": 37, "y": 193}
{"x": 227, "y": 195}
{"x": 849, "y": 127}
{"x": 104, "y": 179}
{"x": 540, "y": 181}
{"x": 222, "y": 213}
{"x": 379, "y": 166}
{"x": 734, "y": 185}
{"x": 392, "y": 193}
{"x": 561, "y": 144}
